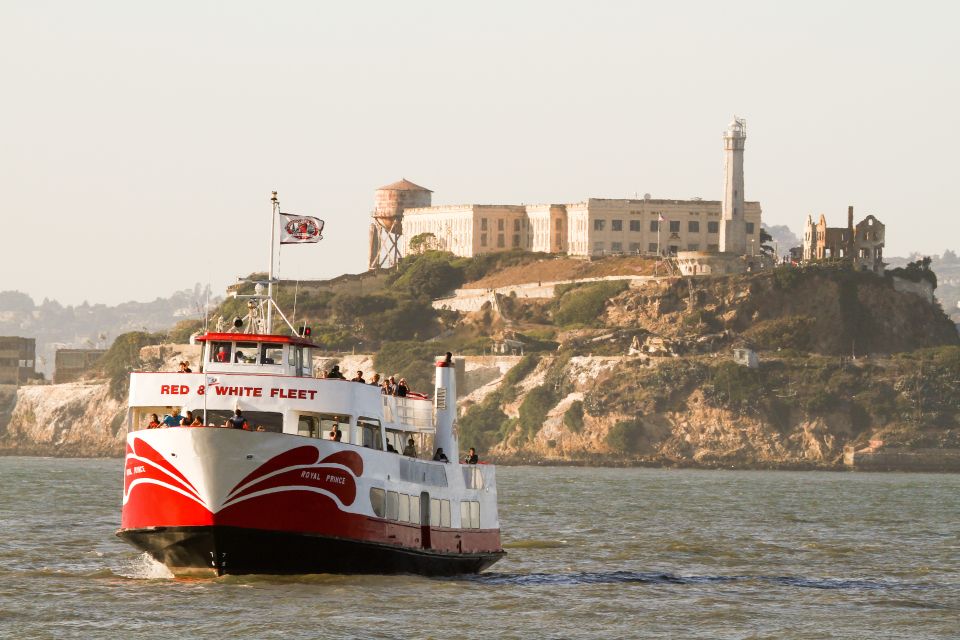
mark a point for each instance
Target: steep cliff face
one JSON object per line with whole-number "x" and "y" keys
{"x": 81, "y": 419}
{"x": 75, "y": 419}
{"x": 708, "y": 411}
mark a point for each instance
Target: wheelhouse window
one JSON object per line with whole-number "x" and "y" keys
{"x": 221, "y": 351}
{"x": 271, "y": 354}
{"x": 246, "y": 353}
{"x": 304, "y": 361}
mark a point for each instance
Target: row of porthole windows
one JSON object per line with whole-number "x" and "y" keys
{"x": 406, "y": 508}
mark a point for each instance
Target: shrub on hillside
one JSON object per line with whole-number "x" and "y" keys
{"x": 349, "y": 307}
{"x": 519, "y": 371}
{"x": 181, "y": 332}
{"x": 480, "y": 426}
{"x": 624, "y": 436}
{"x": 409, "y": 359}
{"x": 573, "y": 418}
{"x": 534, "y": 409}
{"x": 430, "y": 274}
{"x": 584, "y": 304}
{"x": 122, "y": 357}
{"x": 793, "y": 332}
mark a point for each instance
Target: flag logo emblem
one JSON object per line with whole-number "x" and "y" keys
{"x": 297, "y": 229}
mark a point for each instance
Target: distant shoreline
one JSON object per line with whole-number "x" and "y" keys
{"x": 517, "y": 461}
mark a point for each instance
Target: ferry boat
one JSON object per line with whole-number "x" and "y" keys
{"x": 278, "y": 495}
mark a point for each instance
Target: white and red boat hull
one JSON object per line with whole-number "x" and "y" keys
{"x": 210, "y": 501}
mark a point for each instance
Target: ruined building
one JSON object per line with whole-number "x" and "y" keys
{"x": 862, "y": 243}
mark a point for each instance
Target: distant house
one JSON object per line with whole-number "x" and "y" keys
{"x": 507, "y": 346}
{"x": 17, "y": 360}
{"x": 71, "y": 364}
{"x": 746, "y": 357}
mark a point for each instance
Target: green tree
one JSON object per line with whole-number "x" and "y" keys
{"x": 422, "y": 242}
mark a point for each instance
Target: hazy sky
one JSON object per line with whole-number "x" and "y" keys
{"x": 140, "y": 141}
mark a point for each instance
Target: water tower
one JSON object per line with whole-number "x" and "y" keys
{"x": 389, "y": 204}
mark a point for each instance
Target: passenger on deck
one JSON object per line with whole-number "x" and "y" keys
{"x": 185, "y": 367}
{"x": 335, "y": 434}
{"x": 197, "y": 422}
{"x": 440, "y": 456}
{"x": 222, "y": 354}
{"x": 375, "y": 381}
{"x": 172, "y": 420}
{"x": 358, "y": 378}
{"x": 237, "y": 421}
{"x": 401, "y": 390}
{"x": 385, "y": 388}
{"x": 390, "y": 448}
{"x": 187, "y": 420}
{"x": 335, "y": 373}
{"x": 411, "y": 449}
{"x": 154, "y": 421}
{"x": 472, "y": 457}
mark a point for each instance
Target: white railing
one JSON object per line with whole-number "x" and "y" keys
{"x": 409, "y": 412}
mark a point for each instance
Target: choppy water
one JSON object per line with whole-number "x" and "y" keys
{"x": 594, "y": 553}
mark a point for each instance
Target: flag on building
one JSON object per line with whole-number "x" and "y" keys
{"x": 660, "y": 217}
{"x": 296, "y": 229}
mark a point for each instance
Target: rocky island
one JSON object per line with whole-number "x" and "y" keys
{"x": 604, "y": 362}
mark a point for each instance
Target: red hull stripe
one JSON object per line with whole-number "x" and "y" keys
{"x": 334, "y": 480}
{"x": 301, "y": 456}
{"x": 296, "y": 511}
{"x": 145, "y": 451}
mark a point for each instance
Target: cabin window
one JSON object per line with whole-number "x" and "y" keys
{"x": 470, "y": 515}
{"x": 434, "y": 512}
{"x": 370, "y": 433}
{"x": 393, "y": 505}
{"x": 221, "y": 351}
{"x": 330, "y": 422}
{"x": 271, "y": 354}
{"x": 395, "y": 440}
{"x": 444, "y": 513}
{"x": 308, "y": 426}
{"x": 378, "y": 501}
{"x": 257, "y": 420}
{"x": 246, "y": 353}
{"x": 403, "y": 512}
{"x": 415, "y": 509}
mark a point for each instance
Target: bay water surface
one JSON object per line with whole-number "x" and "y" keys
{"x": 593, "y": 553}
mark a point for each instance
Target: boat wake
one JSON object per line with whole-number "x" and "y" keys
{"x": 144, "y": 567}
{"x": 635, "y": 577}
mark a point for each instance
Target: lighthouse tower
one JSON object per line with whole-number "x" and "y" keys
{"x": 733, "y": 228}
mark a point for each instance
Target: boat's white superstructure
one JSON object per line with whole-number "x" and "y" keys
{"x": 283, "y": 492}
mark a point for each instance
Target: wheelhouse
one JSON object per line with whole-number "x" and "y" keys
{"x": 255, "y": 353}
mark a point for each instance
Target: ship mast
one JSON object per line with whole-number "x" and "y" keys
{"x": 273, "y": 239}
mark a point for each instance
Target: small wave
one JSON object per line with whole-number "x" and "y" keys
{"x": 536, "y": 544}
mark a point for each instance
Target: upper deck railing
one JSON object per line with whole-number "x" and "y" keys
{"x": 410, "y": 412}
